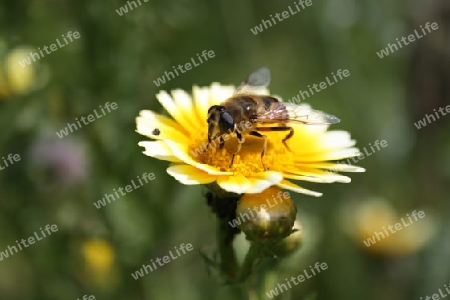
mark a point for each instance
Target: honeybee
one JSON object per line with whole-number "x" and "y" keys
{"x": 248, "y": 112}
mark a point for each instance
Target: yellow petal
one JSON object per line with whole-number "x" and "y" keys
{"x": 325, "y": 177}
{"x": 308, "y": 178}
{"x": 220, "y": 93}
{"x": 261, "y": 181}
{"x": 148, "y": 121}
{"x": 184, "y": 103}
{"x": 298, "y": 189}
{"x": 159, "y": 150}
{"x": 337, "y": 139}
{"x": 172, "y": 108}
{"x": 201, "y": 96}
{"x": 181, "y": 152}
{"x": 316, "y": 146}
{"x": 311, "y": 173}
{"x": 190, "y": 175}
{"x": 334, "y": 167}
{"x": 237, "y": 183}
{"x": 331, "y": 155}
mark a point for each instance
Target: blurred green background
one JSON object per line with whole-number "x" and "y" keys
{"x": 117, "y": 58}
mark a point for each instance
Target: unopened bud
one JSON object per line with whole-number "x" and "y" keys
{"x": 267, "y": 217}
{"x": 290, "y": 244}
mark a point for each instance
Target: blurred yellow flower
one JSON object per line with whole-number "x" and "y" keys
{"x": 99, "y": 268}
{"x": 19, "y": 79}
{"x": 375, "y": 220}
{"x": 180, "y": 140}
{"x": 98, "y": 255}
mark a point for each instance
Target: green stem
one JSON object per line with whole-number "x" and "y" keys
{"x": 228, "y": 261}
{"x": 252, "y": 255}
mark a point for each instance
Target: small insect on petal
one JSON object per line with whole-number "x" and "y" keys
{"x": 156, "y": 131}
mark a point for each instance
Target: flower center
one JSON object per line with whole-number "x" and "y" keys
{"x": 248, "y": 160}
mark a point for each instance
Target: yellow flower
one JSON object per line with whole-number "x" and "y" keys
{"x": 182, "y": 141}
{"x": 99, "y": 255}
{"x": 369, "y": 226}
{"x": 20, "y": 79}
{"x": 99, "y": 268}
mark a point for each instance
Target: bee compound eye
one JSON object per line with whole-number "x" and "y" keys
{"x": 228, "y": 118}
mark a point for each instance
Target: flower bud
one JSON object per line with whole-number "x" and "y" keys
{"x": 267, "y": 217}
{"x": 291, "y": 243}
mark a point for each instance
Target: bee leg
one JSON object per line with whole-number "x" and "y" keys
{"x": 221, "y": 142}
{"x": 286, "y": 138}
{"x": 263, "y": 152}
{"x": 280, "y": 128}
{"x": 241, "y": 140}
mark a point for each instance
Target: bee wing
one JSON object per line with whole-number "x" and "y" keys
{"x": 255, "y": 83}
{"x": 289, "y": 112}
{"x": 306, "y": 115}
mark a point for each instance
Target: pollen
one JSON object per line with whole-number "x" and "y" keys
{"x": 248, "y": 160}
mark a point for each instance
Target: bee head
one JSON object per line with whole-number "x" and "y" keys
{"x": 219, "y": 122}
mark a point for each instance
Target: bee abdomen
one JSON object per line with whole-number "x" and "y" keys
{"x": 270, "y": 102}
